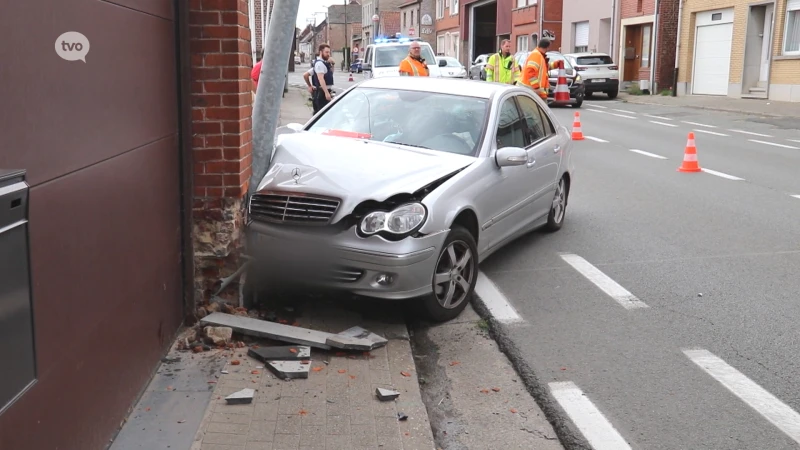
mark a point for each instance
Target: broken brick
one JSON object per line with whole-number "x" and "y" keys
{"x": 405, "y": 374}
{"x": 235, "y": 362}
{"x": 496, "y": 389}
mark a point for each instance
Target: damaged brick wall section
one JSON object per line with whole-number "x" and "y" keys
{"x": 221, "y": 137}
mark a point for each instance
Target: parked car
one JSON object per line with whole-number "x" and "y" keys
{"x": 355, "y": 66}
{"x": 598, "y": 71}
{"x": 382, "y": 59}
{"x": 452, "y": 68}
{"x": 401, "y": 186}
{"x": 574, "y": 80}
{"x": 477, "y": 70}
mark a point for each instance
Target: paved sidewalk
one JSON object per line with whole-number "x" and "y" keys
{"x": 767, "y": 108}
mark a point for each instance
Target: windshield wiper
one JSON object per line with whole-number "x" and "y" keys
{"x": 408, "y": 145}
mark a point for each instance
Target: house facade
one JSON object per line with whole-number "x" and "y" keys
{"x": 448, "y": 22}
{"x": 647, "y": 43}
{"x": 341, "y": 20}
{"x": 740, "y": 49}
{"x": 410, "y": 18}
{"x": 590, "y": 26}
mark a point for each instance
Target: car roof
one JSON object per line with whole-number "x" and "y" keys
{"x": 464, "y": 88}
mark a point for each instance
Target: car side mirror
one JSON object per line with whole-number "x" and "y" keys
{"x": 442, "y": 63}
{"x": 511, "y": 156}
{"x": 366, "y": 67}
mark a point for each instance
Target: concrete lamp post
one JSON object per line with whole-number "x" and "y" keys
{"x": 375, "y": 20}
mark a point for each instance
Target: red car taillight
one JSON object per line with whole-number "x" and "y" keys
{"x": 614, "y": 67}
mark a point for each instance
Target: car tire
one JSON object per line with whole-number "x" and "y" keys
{"x": 612, "y": 94}
{"x": 578, "y": 103}
{"x": 452, "y": 280}
{"x": 558, "y": 209}
{"x": 589, "y": 95}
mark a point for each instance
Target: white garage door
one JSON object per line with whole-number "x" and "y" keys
{"x": 712, "y": 58}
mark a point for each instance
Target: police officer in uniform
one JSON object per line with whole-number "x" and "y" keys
{"x": 321, "y": 78}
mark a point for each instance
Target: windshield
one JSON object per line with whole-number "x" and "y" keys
{"x": 451, "y": 62}
{"x": 391, "y": 55}
{"x": 443, "y": 122}
{"x": 559, "y": 57}
{"x": 595, "y": 60}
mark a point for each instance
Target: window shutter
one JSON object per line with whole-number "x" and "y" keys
{"x": 582, "y": 34}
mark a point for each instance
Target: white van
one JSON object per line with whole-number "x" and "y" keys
{"x": 382, "y": 59}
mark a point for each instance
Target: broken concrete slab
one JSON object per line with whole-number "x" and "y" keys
{"x": 269, "y": 330}
{"x": 281, "y": 353}
{"x": 386, "y": 395}
{"x": 349, "y": 343}
{"x": 219, "y": 335}
{"x": 241, "y": 397}
{"x": 361, "y": 333}
{"x": 289, "y": 369}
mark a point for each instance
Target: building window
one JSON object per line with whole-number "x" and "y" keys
{"x": 646, "y": 46}
{"x": 412, "y": 18}
{"x": 404, "y": 21}
{"x": 439, "y": 9}
{"x": 440, "y": 45}
{"x": 791, "y": 39}
{"x": 454, "y": 46}
{"x": 581, "y": 37}
{"x": 453, "y": 7}
{"x": 524, "y": 3}
{"x": 522, "y": 43}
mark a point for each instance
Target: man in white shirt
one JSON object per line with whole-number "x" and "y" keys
{"x": 319, "y": 78}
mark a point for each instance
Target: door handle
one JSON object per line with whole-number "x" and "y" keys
{"x": 531, "y": 163}
{"x": 556, "y": 149}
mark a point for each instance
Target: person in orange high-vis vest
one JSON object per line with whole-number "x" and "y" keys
{"x": 535, "y": 72}
{"x": 414, "y": 64}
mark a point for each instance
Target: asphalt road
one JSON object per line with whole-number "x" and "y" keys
{"x": 682, "y": 284}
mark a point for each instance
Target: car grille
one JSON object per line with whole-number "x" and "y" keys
{"x": 341, "y": 274}
{"x": 554, "y": 83}
{"x": 292, "y": 208}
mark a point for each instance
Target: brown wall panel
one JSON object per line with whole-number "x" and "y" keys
{"x": 60, "y": 116}
{"x": 105, "y": 264}
{"x": 160, "y": 8}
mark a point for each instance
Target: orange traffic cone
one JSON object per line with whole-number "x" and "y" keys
{"x": 351, "y": 76}
{"x": 577, "y": 134}
{"x": 690, "y": 163}
{"x": 561, "y": 94}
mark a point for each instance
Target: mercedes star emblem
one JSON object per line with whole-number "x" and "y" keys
{"x": 296, "y": 175}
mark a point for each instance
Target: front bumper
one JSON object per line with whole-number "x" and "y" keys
{"x": 576, "y": 94}
{"x": 344, "y": 261}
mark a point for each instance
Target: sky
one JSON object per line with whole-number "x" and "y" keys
{"x": 309, "y": 7}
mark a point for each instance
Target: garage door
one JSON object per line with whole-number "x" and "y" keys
{"x": 712, "y": 58}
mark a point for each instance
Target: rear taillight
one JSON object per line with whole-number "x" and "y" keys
{"x": 614, "y": 67}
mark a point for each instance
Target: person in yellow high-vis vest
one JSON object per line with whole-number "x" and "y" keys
{"x": 501, "y": 67}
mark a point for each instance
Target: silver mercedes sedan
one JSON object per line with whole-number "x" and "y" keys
{"x": 401, "y": 186}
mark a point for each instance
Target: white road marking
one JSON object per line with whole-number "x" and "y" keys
{"x": 620, "y": 115}
{"x": 766, "y": 404}
{"x": 793, "y": 140}
{"x": 593, "y": 424}
{"x": 774, "y": 144}
{"x": 598, "y": 106}
{"x": 602, "y": 281}
{"x": 658, "y": 117}
{"x": 710, "y": 132}
{"x": 596, "y": 139}
{"x": 663, "y": 123}
{"x": 723, "y": 175}
{"x": 495, "y": 301}
{"x": 626, "y": 112}
{"x": 597, "y": 111}
{"x": 796, "y": 196}
{"x": 652, "y": 155}
{"x": 751, "y": 133}
{"x": 698, "y": 124}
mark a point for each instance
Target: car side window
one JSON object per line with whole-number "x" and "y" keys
{"x": 510, "y": 127}
{"x": 536, "y": 129}
{"x": 549, "y": 128}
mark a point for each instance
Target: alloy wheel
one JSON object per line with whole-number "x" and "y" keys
{"x": 559, "y": 202}
{"x": 455, "y": 273}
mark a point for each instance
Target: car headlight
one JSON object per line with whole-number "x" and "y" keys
{"x": 402, "y": 220}
{"x": 578, "y": 79}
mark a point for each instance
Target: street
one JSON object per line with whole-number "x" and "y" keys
{"x": 668, "y": 299}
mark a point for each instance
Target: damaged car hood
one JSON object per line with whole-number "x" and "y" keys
{"x": 354, "y": 170}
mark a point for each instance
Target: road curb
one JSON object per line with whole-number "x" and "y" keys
{"x": 708, "y": 108}
{"x": 569, "y": 436}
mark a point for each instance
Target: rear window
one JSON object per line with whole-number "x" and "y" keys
{"x": 596, "y": 60}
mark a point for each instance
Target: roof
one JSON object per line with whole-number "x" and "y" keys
{"x": 464, "y": 88}
{"x": 336, "y": 14}
{"x": 409, "y": 3}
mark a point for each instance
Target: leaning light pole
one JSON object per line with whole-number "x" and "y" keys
{"x": 266, "y": 110}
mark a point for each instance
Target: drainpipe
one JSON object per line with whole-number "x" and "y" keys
{"x": 613, "y": 27}
{"x": 654, "y": 50}
{"x": 677, "y": 50}
{"x": 541, "y": 19}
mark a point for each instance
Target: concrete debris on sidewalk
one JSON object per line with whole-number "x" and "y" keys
{"x": 280, "y": 353}
{"x": 386, "y": 395}
{"x": 289, "y": 370}
{"x": 218, "y": 335}
{"x": 242, "y": 397}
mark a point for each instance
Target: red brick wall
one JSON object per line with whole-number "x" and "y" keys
{"x": 667, "y": 38}
{"x": 446, "y": 23}
{"x": 553, "y": 17}
{"x": 390, "y": 22}
{"x": 221, "y": 130}
{"x": 630, "y": 8}
{"x": 524, "y": 21}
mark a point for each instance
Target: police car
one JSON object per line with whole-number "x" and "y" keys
{"x": 382, "y": 59}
